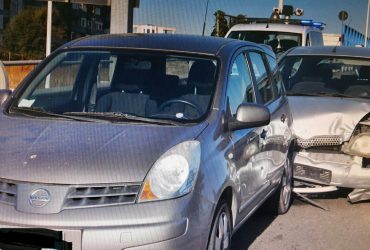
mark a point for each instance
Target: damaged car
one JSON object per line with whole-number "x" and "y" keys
{"x": 329, "y": 94}
{"x": 143, "y": 142}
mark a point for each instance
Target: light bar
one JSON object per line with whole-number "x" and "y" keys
{"x": 319, "y": 25}
{"x": 306, "y": 22}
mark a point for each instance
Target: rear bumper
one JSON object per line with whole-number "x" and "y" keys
{"x": 172, "y": 224}
{"x": 339, "y": 170}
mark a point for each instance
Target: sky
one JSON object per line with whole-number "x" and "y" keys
{"x": 187, "y": 16}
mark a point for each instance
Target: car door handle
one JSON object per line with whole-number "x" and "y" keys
{"x": 283, "y": 118}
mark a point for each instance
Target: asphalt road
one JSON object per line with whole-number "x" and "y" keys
{"x": 344, "y": 226}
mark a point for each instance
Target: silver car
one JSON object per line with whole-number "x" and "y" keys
{"x": 143, "y": 142}
{"x": 329, "y": 92}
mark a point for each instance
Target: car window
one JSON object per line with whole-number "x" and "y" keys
{"x": 239, "y": 86}
{"x": 326, "y": 75}
{"x": 276, "y": 74}
{"x": 279, "y": 41}
{"x": 63, "y": 75}
{"x": 263, "y": 83}
{"x": 316, "y": 38}
{"x": 141, "y": 84}
{"x": 106, "y": 68}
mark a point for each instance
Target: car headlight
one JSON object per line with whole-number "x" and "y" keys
{"x": 360, "y": 145}
{"x": 173, "y": 174}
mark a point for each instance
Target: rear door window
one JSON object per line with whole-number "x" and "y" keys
{"x": 239, "y": 87}
{"x": 264, "y": 85}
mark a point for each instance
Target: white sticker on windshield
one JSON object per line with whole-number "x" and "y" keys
{"x": 179, "y": 115}
{"x": 24, "y": 103}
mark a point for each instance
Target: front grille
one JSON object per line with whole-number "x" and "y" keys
{"x": 8, "y": 192}
{"x": 312, "y": 173}
{"x": 325, "y": 140}
{"x": 97, "y": 196}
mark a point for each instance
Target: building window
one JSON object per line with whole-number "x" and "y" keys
{"x": 7, "y": 4}
{"x": 84, "y": 7}
{"x": 83, "y": 22}
{"x": 97, "y": 11}
{"x": 99, "y": 26}
{"x": 76, "y": 6}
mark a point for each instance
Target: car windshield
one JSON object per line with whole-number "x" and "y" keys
{"x": 326, "y": 76}
{"x": 117, "y": 84}
{"x": 279, "y": 41}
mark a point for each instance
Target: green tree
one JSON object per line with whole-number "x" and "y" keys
{"x": 221, "y": 26}
{"x": 25, "y": 35}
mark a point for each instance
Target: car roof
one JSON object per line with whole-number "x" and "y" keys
{"x": 330, "y": 51}
{"x": 166, "y": 42}
{"x": 289, "y": 28}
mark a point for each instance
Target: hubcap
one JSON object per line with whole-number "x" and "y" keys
{"x": 287, "y": 183}
{"x": 222, "y": 232}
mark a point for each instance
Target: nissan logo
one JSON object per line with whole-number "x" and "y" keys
{"x": 39, "y": 197}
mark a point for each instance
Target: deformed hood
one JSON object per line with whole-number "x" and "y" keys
{"x": 321, "y": 116}
{"x": 70, "y": 152}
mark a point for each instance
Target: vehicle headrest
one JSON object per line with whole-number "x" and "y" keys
{"x": 130, "y": 80}
{"x": 202, "y": 74}
{"x": 286, "y": 44}
{"x": 364, "y": 72}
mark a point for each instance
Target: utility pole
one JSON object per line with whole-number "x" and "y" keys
{"x": 48, "y": 27}
{"x": 281, "y": 4}
{"x": 122, "y": 12}
{"x": 367, "y": 23}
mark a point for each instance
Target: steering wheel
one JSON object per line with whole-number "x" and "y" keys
{"x": 192, "y": 105}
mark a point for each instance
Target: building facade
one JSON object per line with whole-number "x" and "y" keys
{"x": 149, "y": 28}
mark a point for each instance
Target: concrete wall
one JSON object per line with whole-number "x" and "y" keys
{"x": 331, "y": 39}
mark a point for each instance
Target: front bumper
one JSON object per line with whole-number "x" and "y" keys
{"x": 333, "y": 169}
{"x": 181, "y": 223}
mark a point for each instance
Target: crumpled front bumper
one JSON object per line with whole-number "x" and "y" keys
{"x": 333, "y": 169}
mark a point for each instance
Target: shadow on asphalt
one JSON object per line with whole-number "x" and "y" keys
{"x": 251, "y": 229}
{"x": 259, "y": 222}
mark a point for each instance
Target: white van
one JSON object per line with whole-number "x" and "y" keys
{"x": 281, "y": 34}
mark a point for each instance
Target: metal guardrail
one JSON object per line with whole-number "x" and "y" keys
{"x": 21, "y": 62}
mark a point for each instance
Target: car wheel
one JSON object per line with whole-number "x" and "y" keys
{"x": 281, "y": 200}
{"x": 220, "y": 238}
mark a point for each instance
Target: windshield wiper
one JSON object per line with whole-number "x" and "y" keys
{"x": 40, "y": 112}
{"x": 290, "y": 93}
{"x": 300, "y": 94}
{"x": 333, "y": 94}
{"x": 121, "y": 117}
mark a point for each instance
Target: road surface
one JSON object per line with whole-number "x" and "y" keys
{"x": 345, "y": 226}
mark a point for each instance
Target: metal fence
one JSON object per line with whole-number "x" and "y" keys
{"x": 353, "y": 37}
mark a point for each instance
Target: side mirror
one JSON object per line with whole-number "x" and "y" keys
{"x": 4, "y": 80}
{"x": 4, "y": 94}
{"x": 249, "y": 116}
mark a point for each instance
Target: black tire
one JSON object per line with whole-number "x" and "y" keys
{"x": 218, "y": 240}
{"x": 280, "y": 201}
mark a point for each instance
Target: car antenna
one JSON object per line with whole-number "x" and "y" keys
{"x": 205, "y": 18}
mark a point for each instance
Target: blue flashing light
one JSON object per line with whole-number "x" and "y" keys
{"x": 311, "y": 23}
{"x": 318, "y": 25}
{"x": 306, "y": 22}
